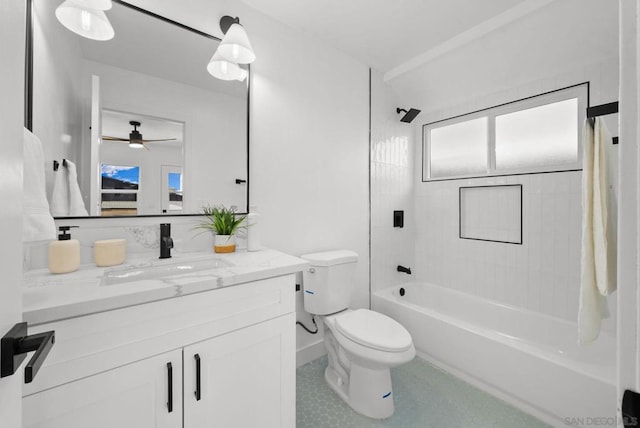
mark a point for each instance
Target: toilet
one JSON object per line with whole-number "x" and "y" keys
{"x": 362, "y": 345}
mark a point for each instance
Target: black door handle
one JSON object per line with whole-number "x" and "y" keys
{"x": 169, "y": 387}
{"x": 14, "y": 347}
{"x": 198, "y": 392}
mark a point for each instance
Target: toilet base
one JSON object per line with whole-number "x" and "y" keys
{"x": 368, "y": 391}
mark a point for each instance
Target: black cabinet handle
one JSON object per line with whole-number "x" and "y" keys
{"x": 170, "y": 387}
{"x": 15, "y": 345}
{"x": 198, "y": 390}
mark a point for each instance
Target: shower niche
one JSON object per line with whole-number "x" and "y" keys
{"x": 491, "y": 213}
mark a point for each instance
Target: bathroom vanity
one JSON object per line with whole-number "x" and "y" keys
{"x": 190, "y": 342}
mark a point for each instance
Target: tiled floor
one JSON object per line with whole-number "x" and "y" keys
{"x": 425, "y": 397}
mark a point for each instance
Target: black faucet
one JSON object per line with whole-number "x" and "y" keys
{"x": 404, "y": 269}
{"x": 166, "y": 242}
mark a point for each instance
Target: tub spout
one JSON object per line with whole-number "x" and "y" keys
{"x": 404, "y": 269}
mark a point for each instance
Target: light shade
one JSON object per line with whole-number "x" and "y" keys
{"x": 77, "y": 16}
{"x": 222, "y": 69}
{"x": 136, "y": 145}
{"x": 235, "y": 46}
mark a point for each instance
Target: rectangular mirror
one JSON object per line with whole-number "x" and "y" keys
{"x": 92, "y": 101}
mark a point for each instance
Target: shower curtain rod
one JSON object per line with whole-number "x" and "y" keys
{"x": 603, "y": 110}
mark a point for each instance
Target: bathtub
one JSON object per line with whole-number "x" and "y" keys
{"x": 528, "y": 359}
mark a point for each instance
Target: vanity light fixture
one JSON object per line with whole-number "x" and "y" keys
{"x": 225, "y": 70}
{"x": 86, "y": 18}
{"x": 235, "y": 45}
{"x": 234, "y": 49}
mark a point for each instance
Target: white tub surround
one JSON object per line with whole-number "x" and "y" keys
{"x": 49, "y": 297}
{"x": 187, "y": 353}
{"x": 528, "y": 359}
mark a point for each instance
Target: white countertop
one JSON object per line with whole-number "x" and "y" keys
{"x": 50, "y": 297}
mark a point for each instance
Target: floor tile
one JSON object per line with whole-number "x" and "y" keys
{"x": 425, "y": 397}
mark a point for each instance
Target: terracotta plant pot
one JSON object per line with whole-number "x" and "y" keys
{"x": 224, "y": 243}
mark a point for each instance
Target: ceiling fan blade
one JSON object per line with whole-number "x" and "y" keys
{"x": 108, "y": 138}
{"x": 164, "y": 139}
{"x": 146, "y": 148}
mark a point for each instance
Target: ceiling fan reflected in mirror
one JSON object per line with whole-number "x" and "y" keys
{"x": 135, "y": 139}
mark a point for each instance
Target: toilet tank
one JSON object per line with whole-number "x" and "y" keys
{"x": 327, "y": 283}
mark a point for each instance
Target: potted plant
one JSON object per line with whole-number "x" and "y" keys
{"x": 224, "y": 222}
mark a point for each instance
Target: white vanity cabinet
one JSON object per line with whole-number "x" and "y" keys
{"x": 245, "y": 378}
{"x": 110, "y": 369}
{"x": 134, "y": 395}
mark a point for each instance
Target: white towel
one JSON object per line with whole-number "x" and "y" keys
{"x": 66, "y": 199}
{"x": 37, "y": 223}
{"x": 597, "y": 269}
{"x": 76, "y": 205}
{"x": 60, "y": 195}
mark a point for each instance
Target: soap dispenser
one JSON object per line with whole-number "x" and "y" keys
{"x": 64, "y": 254}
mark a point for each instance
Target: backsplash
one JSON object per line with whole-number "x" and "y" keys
{"x": 142, "y": 235}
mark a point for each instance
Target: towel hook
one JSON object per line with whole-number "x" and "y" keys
{"x": 56, "y": 164}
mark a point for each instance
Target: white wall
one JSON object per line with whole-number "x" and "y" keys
{"x": 57, "y": 88}
{"x": 310, "y": 143}
{"x": 392, "y": 188}
{"x": 557, "y": 46}
{"x": 215, "y": 130}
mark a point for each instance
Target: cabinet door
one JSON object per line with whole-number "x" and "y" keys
{"x": 247, "y": 378}
{"x": 135, "y": 395}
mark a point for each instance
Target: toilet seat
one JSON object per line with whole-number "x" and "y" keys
{"x": 373, "y": 330}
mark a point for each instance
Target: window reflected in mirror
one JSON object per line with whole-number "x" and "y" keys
{"x": 119, "y": 187}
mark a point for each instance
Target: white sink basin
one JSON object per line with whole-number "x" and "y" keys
{"x": 160, "y": 270}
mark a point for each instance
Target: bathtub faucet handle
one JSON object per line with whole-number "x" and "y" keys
{"x": 404, "y": 269}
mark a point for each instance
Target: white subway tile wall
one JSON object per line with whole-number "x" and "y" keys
{"x": 542, "y": 274}
{"x": 392, "y": 188}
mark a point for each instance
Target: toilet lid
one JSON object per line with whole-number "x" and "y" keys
{"x": 374, "y": 330}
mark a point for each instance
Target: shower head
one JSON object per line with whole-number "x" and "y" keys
{"x": 408, "y": 115}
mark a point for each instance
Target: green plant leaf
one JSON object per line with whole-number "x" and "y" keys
{"x": 221, "y": 220}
